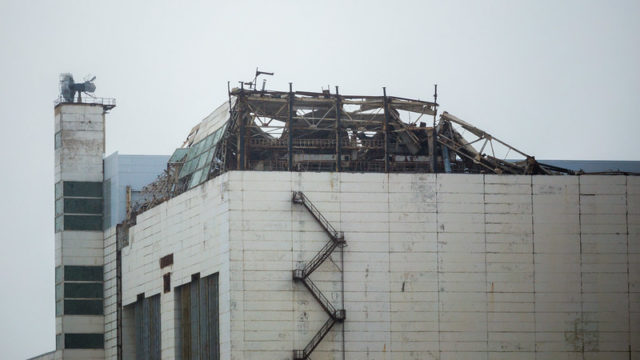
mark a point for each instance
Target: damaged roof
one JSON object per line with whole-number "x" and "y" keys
{"x": 264, "y": 130}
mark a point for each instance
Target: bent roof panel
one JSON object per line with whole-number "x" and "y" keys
{"x": 214, "y": 121}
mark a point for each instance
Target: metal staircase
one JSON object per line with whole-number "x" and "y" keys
{"x": 302, "y": 275}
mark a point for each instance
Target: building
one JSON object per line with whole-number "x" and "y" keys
{"x": 295, "y": 225}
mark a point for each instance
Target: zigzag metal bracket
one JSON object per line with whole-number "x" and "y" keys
{"x": 302, "y": 275}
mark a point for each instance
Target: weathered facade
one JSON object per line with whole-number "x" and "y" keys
{"x": 297, "y": 225}
{"x": 436, "y": 266}
{"x": 79, "y": 257}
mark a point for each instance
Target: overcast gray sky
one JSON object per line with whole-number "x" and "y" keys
{"x": 556, "y": 79}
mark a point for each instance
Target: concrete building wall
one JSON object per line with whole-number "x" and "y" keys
{"x": 633, "y": 256}
{"x": 79, "y": 129}
{"x": 436, "y": 266}
{"x": 79, "y": 148}
{"x": 194, "y": 227}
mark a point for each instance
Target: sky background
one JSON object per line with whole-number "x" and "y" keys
{"x": 556, "y": 79}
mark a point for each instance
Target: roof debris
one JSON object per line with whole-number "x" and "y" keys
{"x": 263, "y": 130}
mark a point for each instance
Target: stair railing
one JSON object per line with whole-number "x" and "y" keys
{"x": 336, "y": 239}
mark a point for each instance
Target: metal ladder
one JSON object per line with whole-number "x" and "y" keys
{"x": 302, "y": 275}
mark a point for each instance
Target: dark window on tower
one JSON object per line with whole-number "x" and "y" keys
{"x": 83, "y": 341}
{"x": 82, "y": 222}
{"x": 82, "y": 189}
{"x": 57, "y": 140}
{"x": 83, "y": 290}
{"x": 83, "y": 273}
{"x": 79, "y": 206}
{"x": 83, "y": 307}
{"x": 79, "y": 290}
{"x": 83, "y": 206}
{"x": 197, "y": 328}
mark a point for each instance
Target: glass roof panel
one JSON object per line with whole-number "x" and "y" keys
{"x": 178, "y": 155}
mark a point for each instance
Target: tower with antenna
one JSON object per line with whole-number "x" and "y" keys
{"x": 79, "y": 239}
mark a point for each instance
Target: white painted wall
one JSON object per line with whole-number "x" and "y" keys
{"x": 195, "y": 228}
{"x": 437, "y": 266}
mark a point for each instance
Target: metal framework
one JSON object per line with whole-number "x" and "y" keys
{"x": 302, "y": 131}
{"x": 308, "y": 131}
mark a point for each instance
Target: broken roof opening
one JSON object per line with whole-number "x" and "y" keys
{"x": 266, "y": 130}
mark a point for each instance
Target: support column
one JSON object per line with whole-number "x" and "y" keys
{"x": 241, "y": 131}
{"x": 338, "y": 132}
{"x": 434, "y": 134}
{"x": 385, "y": 129}
{"x": 290, "y": 130}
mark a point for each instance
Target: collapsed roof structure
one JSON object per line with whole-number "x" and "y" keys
{"x": 263, "y": 130}
{"x": 248, "y": 266}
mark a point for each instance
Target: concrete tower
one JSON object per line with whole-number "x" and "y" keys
{"x": 79, "y": 258}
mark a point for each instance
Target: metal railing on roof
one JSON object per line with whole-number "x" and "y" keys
{"x": 107, "y": 103}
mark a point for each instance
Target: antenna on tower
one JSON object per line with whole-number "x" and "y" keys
{"x": 69, "y": 88}
{"x": 264, "y": 81}
{"x": 435, "y": 101}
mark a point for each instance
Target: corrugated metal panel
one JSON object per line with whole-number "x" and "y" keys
{"x": 154, "y": 327}
{"x": 138, "y": 314}
{"x": 198, "y": 325}
{"x": 213, "y": 318}
{"x": 146, "y": 314}
{"x": 195, "y": 323}
{"x": 203, "y": 314}
{"x": 183, "y": 342}
{"x": 147, "y": 319}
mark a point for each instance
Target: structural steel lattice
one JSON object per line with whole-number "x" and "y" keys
{"x": 308, "y": 131}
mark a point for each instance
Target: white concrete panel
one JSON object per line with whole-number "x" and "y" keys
{"x": 82, "y": 354}
{"x": 437, "y": 266}
{"x": 83, "y": 324}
